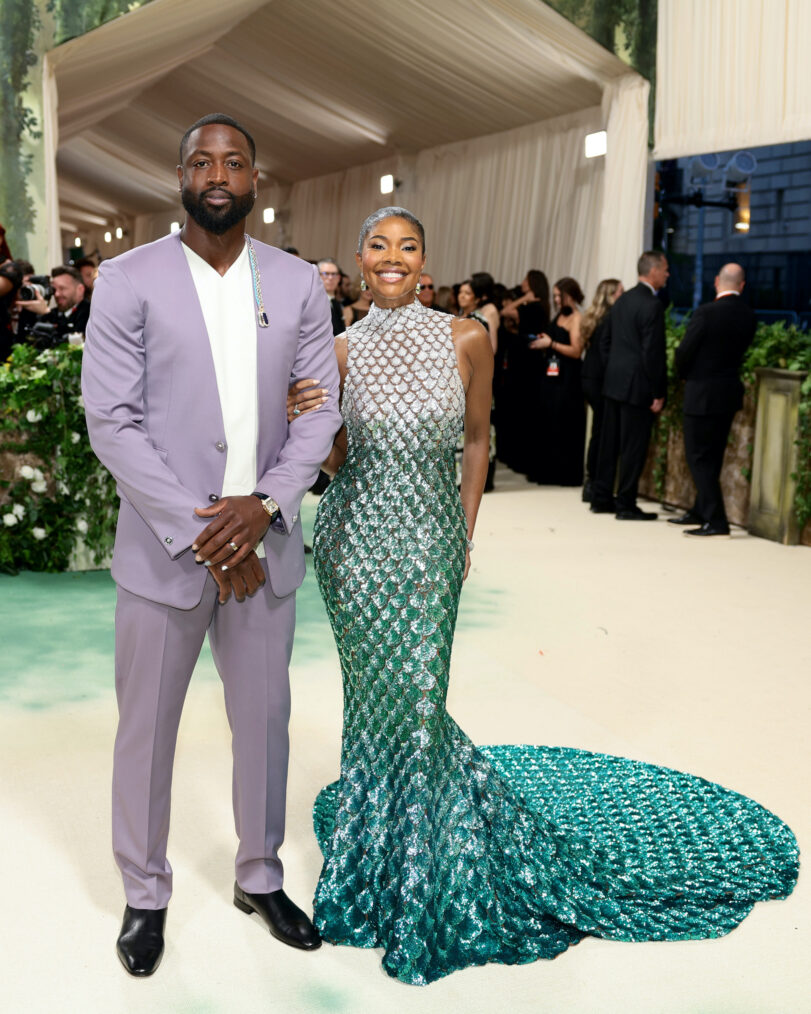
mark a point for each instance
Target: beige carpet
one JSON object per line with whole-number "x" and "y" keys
{"x": 575, "y": 630}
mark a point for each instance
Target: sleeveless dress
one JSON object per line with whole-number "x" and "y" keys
{"x": 444, "y": 854}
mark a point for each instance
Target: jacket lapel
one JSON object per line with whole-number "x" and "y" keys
{"x": 196, "y": 329}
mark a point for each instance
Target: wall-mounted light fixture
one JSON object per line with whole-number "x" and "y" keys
{"x": 387, "y": 184}
{"x": 268, "y": 216}
{"x": 119, "y": 232}
{"x": 77, "y": 241}
{"x": 108, "y": 237}
{"x": 596, "y": 144}
{"x": 174, "y": 227}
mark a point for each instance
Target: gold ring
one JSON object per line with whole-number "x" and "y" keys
{"x": 233, "y": 546}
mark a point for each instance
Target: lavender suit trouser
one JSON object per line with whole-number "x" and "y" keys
{"x": 157, "y": 647}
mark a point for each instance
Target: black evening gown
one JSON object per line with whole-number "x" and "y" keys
{"x": 558, "y": 444}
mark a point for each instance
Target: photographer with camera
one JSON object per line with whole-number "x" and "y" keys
{"x": 44, "y": 326}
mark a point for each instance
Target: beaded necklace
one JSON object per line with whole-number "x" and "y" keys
{"x": 261, "y": 315}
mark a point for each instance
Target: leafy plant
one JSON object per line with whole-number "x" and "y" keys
{"x": 59, "y": 493}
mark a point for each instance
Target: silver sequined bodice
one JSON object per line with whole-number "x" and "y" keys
{"x": 402, "y": 384}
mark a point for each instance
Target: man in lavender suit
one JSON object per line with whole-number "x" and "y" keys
{"x": 192, "y": 343}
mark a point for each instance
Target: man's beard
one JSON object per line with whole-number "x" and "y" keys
{"x": 213, "y": 219}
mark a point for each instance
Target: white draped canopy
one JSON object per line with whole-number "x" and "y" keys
{"x": 732, "y": 74}
{"x": 479, "y": 108}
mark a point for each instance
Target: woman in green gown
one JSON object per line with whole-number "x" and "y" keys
{"x": 444, "y": 854}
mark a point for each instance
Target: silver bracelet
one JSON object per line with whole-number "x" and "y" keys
{"x": 470, "y": 546}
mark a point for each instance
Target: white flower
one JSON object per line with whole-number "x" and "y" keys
{"x": 38, "y": 475}
{"x": 63, "y": 488}
{"x": 75, "y": 437}
{"x": 80, "y": 401}
{"x": 39, "y": 486}
{"x": 18, "y": 509}
{"x": 26, "y": 471}
{"x": 81, "y": 526}
{"x": 39, "y": 533}
{"x": 33, "y": 416}
{"x": 9, "y": 520}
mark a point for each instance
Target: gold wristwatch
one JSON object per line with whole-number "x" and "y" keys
{"x": 269, "y": 505}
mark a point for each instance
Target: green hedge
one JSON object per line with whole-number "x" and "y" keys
{"x": 57, "y": 495}
{"x": 778, "y": 346}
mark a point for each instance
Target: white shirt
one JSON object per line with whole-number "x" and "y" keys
{"x": 228, "y": 311}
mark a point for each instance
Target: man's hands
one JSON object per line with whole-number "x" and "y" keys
{"x": 657, "y": 405}
{"x": 242, "y": 579}
{"x": 239, "y": 521}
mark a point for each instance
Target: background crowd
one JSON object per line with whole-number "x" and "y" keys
{"x": 556, "y": 353}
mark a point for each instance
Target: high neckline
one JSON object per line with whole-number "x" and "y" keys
{"x": 380, "y": 312}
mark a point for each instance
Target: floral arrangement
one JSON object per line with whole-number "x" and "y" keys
{"x": 55, "y": 496}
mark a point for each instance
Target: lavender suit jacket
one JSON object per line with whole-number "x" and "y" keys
{"x": 154, "y": 419}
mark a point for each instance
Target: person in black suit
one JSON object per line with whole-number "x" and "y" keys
{"x": 331, "y": 277}
{"x": 69, "y": 316}
{"x": 709, "y": 359}
{"x": 632, "y": 346}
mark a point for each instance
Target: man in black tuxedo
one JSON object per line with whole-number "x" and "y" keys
{"x": 69, "y": 316}
{"x": 709, "y": 358}
{"x": 632, "y": 347}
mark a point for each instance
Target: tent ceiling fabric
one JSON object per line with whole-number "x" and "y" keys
{"x": 323, "y": 86}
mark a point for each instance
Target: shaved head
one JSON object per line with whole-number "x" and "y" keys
{"x": 731, "y": 276}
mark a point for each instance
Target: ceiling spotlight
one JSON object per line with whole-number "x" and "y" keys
{"x": 596, "y": 144}
{"x": 268, "y": 216}
{"x": 387, "y": 184}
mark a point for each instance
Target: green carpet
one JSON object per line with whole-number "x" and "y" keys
{"x": 58, "y": 633}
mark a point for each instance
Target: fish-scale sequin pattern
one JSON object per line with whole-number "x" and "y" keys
{"x": 443, "y": 854}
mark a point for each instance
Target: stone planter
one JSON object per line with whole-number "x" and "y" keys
{"x": 771, "y": 507}
{"x": 679, "y": 487}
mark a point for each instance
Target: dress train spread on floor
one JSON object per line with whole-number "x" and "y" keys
{"x": 444, "y": 854}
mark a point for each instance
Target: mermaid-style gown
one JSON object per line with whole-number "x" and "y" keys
{"x": 445, "y": 854}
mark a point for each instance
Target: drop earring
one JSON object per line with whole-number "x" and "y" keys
{"x": 363, "y": 285}
{"x": 418, "y": 290}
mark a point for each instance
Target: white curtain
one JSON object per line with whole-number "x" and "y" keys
{"x": 622, "y": 226}
{"x": 731, "y": 73}
{"x": 525, "y": 198}
{"x": 505, "y": 203}
{"x": 50, "y": 141}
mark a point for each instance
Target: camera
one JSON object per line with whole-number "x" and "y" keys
{"x": 44, "y": 335}
{"x": 37, "y": 287}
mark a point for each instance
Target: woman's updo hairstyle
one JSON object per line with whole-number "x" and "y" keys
{"x": 571, "y": 288}
{"x": 380, "y": 214}
{"x": 482, "y": 284}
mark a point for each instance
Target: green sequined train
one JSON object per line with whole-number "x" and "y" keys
{"x": 443, "y": 854}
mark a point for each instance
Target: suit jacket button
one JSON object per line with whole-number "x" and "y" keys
{"x": 168, "y": 540}
{"x": 220, "y": 445}
{"x": 213, "y": 498}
